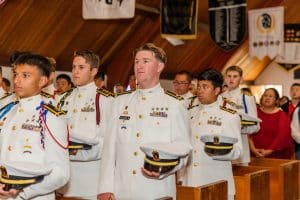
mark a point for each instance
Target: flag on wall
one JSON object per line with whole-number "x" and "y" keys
{"x": 107, "y": 9}
{"x": 179, "y": 19}
{"x": 227, "y": 22}
{"x": 266, "y": 32}
{"x": 290, "y": 56}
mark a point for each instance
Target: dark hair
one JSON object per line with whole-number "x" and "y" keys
{"x": 64, "y": 76}
{"x": 53, "y": 64}
{"x": 212, "y": 75}
{"x": 100, "y": 76}
{"x": 187, "y": 73}
{"x": 6, "y": 82}
{"x": 159, "y": 53}
{"x": 16, "y": 55}
{"x": 275, "y": 92}
{"x": 89, "y": 56}
{"x": 39, "y": 61}
{"x": 295, "y": 84}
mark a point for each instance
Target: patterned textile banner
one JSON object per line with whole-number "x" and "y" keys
{"x": 227, "y": 22}
{"x": 290, "y": 56}
{"x": 179, "y": 19}
{"x": 107, "y": 9}
{"x": 266, "y": 32}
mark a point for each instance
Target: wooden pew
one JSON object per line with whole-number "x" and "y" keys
{"x": 213, "y": 191}
{"x": 284, "y": 177}
{"x": 251, "y": 183}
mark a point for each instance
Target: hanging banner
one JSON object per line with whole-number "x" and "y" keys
{"x": 290, "y": 56}
{"x": 266, "y": 32}
{"x": 107, "y": 9}
{"x": 179, "y": 19}
{"x": 227, "y": 22}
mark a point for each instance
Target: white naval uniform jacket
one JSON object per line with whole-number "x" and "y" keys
{"x": 203, "y": 169}
{"x": 81, "y": 112}
{"x": 143, "y": 116}
{"x": 187, "y": 99}
{"x": 21, "y": 141}
{"x": 7, "y": 99}
{"x": 236, "y": 96}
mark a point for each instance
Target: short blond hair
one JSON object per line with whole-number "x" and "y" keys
{"x": 235, "y": 69}
{"x": 158, "y": 52}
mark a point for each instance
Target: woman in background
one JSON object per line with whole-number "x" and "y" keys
{"x": 273, "y": 140}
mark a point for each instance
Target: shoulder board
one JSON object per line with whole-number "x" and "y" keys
{"x": 105, "y": 92}
{"x": 232, "y": 103}
{"x": 193, "y": 97}
{"x": 54, "y": 110}
{"x": 46, "y": 94}
{"x": 245, "y": 93}
{"x": 7, "y": 95}
{"x": 125, "y": 92}
{"x": 228, "y": 110}
{"x": 192, "y": 106}
{"x": 172, "y": 94}
{"x": 68, "y": 91}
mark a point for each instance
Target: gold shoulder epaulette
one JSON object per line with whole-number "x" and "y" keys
{"x": 172, "y": 94}
{"x": 228, "y": 110}
{"x": 54, "y": 110}
{"x": 122, "y": 93}
{"x": 193, "y": 97}
{"x": 229, "y": 101}
{"x": 7, "y": 95}
{"x": 46, "y": 94}
{"x": 192, "y": 106}
{"x": 105, "y": 92}
{"x": 68, "y": 91}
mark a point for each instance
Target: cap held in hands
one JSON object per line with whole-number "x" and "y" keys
{"x": 216, "y": 145}
{"x": 163, "y": 157}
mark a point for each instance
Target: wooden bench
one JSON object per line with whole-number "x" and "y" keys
{"x": 251, "y": 183}
{"x": 214, "y": 191}
{"x": 284, "y": 177}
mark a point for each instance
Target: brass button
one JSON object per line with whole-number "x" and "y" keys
{"x": 199, "y": 123}
{"x": 71, "y": 126}
{"x": 197, "y": 137}
{"x": 75, "y": 110}
{"x": 157, "y": 123}
{"x": 195, "y": 151}
{"x": 21, "y": 110}
{"x": 144, "y": 98}
{"x": 195, "y": 164}
{"x": 79, "y": 96}
{"x": 135, "y": 153}
{"x": 13, "y": 128}
{"x": 140, "y": 116}
{"x": 138, "y": 134}
{"x": 133, "y": 172}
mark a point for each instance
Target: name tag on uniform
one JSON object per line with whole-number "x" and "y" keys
{"x": 124, "y": 117}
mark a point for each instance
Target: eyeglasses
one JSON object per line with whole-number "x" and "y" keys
{"x": 180, "y": 82}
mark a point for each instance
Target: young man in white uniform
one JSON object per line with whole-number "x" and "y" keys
{"x": 211, "y": 118}
{"x": 147, "y": 115}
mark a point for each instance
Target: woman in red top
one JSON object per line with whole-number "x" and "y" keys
{"x": 273, "y": 140}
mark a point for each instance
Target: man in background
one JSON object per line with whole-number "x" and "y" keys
{"x": 181, "y": 85}
{"x": 63, "y": 83}
{"x": 242, "y": 103}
